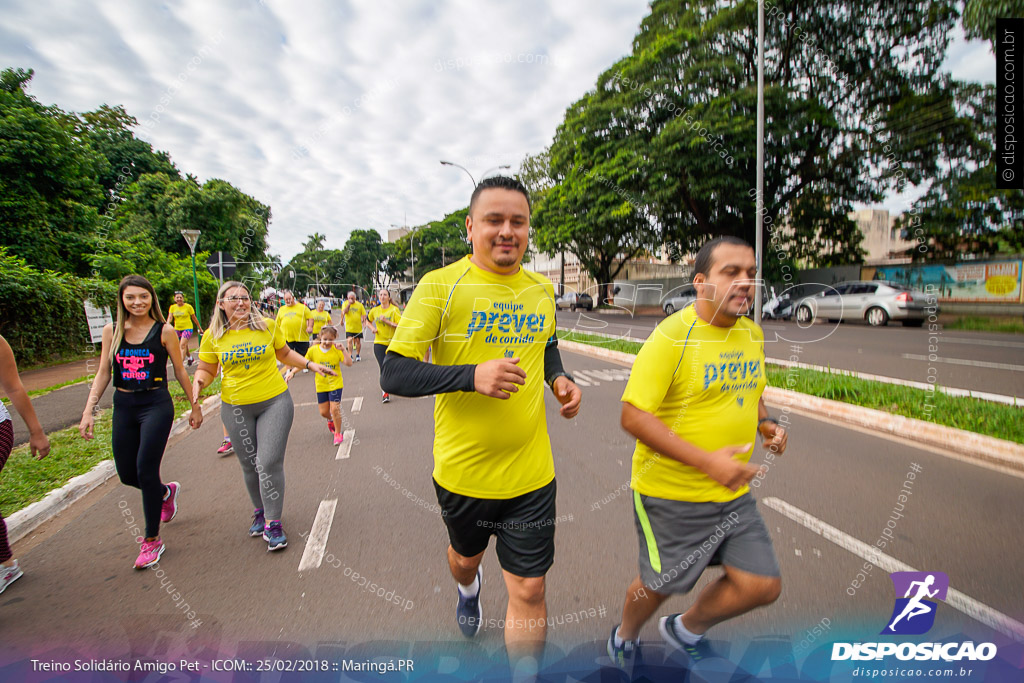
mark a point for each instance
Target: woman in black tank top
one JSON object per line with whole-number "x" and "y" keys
{"x": 135, "y": 353}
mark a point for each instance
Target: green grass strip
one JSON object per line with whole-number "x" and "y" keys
{"x": 970, "y": 414}
{"x": 977, "y": 323}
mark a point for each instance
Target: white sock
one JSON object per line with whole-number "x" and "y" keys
{"x": 685, "y": 634}
{"x": 619, "y": 642}
{"x": 471, "y": 590}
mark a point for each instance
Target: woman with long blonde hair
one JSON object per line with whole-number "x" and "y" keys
{"x": 256, "y": 407}
{"x": 135, "y": 352}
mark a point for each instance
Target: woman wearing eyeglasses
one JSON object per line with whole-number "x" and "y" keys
{"x": 255, "y": 399}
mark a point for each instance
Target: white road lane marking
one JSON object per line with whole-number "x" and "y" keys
{"x": 954, "y": 598}
{"x": 968, "y": 362}
{"x": 345, "y": 449}
{"x": 357, "y": 404}
{"x": 316, "y": 541}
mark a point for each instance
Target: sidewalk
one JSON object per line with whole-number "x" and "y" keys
{"x": 57, "y": 374}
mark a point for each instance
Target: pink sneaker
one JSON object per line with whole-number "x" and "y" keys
{"x": 338, "y": 438}
{"x": 226, "y": 448}
{"x": 169, "y": 507}
{"x": 150, "y": 553}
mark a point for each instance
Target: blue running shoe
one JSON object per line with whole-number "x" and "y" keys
{"x": 259, "y": 522}
{"x": 624, "y": 657}
{"x": 468, "y": 612}
{"x": 700, "y": 650}
{"x": 274, "y": 536}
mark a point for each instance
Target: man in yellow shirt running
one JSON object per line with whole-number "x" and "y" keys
{"x": 693, "y": 402}
{"x": 292, "y": 319}
{"x": 491, "y": 327}
{"x": 354, "y": 315}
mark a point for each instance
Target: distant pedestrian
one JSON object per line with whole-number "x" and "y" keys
{"x": 292, "y": 319}
{"x": 39, "y": 444}
{"x": 135, "y": 352}
{"x": 384, "y": 321}
{"x": 354, "y": 315}
{"x": 184, "y": 317}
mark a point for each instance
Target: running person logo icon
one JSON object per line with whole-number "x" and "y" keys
{"x": 914, "y": 613}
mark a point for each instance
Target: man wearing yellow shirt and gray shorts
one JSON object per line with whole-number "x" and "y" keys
{"x": 491, "y": 327}
{"x": 693, "y": 402}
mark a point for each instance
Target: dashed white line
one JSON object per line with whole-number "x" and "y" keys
{"x": 954, "y": 598}
{"x": 345, "y": 449}
{"x": 316, "y": 542}
{"x": 357, "y": 404}
{"x": 579, "y": 380}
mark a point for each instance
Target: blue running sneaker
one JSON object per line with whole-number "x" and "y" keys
{"x": 624, "y": 657}
{"x": 468, "y": 612}
{"x": 669, "y": 632}
{"x": 274, "y": 536}
{"x": 258, "y": 523}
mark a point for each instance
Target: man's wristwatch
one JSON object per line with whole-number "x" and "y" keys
{"x": 765, "y": 419}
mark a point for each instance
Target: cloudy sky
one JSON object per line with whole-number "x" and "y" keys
{"x": 337, "y": 114}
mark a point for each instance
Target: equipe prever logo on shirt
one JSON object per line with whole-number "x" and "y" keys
{"x": 917, "y": 597}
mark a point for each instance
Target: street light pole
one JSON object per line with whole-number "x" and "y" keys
{"x": 759, "y": 218}
{"x": 449, "y": 163}
{"x": 192, "y": 238}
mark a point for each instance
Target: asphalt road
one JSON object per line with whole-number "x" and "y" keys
{"x": 978, "y": 361}
{"x": 81, "y": 596}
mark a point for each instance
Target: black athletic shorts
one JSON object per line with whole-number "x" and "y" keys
{"x": 524, "y": 525}
{"x": 299, "y": 347}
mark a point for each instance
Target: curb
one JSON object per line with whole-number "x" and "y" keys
{"x": 28, "y": 519}
{"x": 979, "y": 447}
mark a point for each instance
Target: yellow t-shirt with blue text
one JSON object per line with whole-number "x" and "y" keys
{"x": 249, "y": 363}
{"x": 292, "y": 320}
{"x": 319, "y": 318}
{"x": 182, "y": 316}
{"x": 704, "y": 383}
{"x": 385, "y": 333}
{"x": 354, "y": 317}
{"x": 485, "y": 447}
{"x": 334, "y": 359}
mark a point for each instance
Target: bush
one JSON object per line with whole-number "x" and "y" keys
{"x": 41, "y": 312}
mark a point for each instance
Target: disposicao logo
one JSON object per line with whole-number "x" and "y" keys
{"x": 914, "y": 613}
{"x": 917, "y": 596}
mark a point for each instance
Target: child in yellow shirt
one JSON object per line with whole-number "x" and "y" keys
{"x": 328, "y": 388}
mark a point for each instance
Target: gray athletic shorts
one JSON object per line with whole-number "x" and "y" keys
{"x": 679, "y": 540}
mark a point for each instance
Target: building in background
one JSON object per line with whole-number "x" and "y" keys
{"x": 882, "y": 240}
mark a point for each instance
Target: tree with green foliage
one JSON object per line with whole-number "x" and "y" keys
{"x": 663, "y": 150}
{"x": 49, "y": 196}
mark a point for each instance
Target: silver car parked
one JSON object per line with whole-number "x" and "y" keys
{"x": 876, "y": 301}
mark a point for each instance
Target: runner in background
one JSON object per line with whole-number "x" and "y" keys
{"x": 38, "y": 443}
{"x": 329, "y": 353}
{"x": 318, "y": 319}
{"x": 134, "y": 353}
{"x": 184, "y": 317}
{"x": 292, "y": 319}
{"x": 384, "y": 321}
{"x": 256, "y": 406}
{"x": 354, "y": 315}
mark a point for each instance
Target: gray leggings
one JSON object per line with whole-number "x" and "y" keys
{"x": 259, "y": 433}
